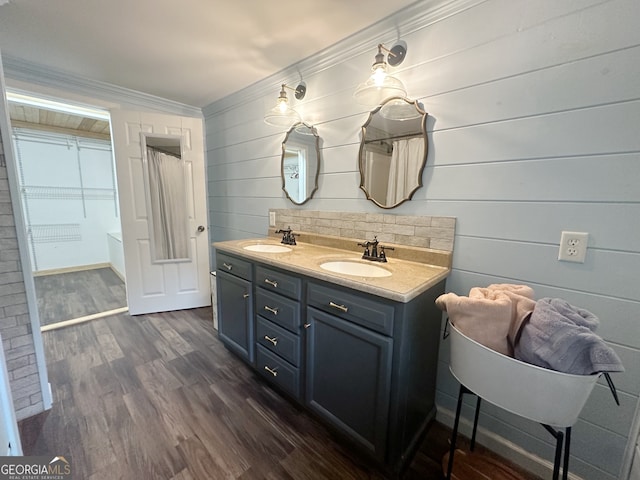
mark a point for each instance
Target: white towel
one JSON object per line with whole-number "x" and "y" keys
{"x": 491, "y": 316}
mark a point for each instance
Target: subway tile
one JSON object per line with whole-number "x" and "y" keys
{"x": 399, "y": 229}
{"x": 13, "y": 353}
{"x": 13, "y": 332}
{"x": 24, "y": 386}
{"x": 445, "y": 222}
{"x": 11, "y": 277}
{"x": 22, "y": 340}
{"x": 17, "y": 308}
{"x": 441, "y": 244}
{"x": 353, "y": 216}
{"x": 12, "y": 300}
{"x": 375, "y": 217}
{"x": 29, "y": 411}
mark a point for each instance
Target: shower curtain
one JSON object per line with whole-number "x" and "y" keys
{"x": 406, "y": 159}
{"x": 168, "y": 204}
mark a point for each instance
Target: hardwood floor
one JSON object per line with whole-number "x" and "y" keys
{"x": 158, "y": 397}
{"x": 76, "y": 294}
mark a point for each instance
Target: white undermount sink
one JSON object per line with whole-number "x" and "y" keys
{"x": 267, "y": 248}
{"x": 357, "y": 269}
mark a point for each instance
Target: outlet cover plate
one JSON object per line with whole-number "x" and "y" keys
{"x": 573, "y": 247}
{"x": 272, "y": 219}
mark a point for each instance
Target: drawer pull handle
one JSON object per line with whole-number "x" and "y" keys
{"x": 273, "y": 283}
{"x": 272, "y": 340}
{"x": 339, "y": 307}
{"x": 271, "y": 309}
{"x": 307, "y": 325}
{"x": 246, "y": 295}
{"x": 272, "y": 371}
{"x": 227, "y": 266}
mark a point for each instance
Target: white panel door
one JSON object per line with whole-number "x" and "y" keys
{"x": 168, "y": 285}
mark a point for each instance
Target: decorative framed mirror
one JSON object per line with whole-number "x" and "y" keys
{"x": 300, "y": 164}
{"x": 165, "y": 182}
{"x": 393, "y": 152}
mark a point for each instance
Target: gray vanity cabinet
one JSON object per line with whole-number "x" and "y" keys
{"x": 348, "y": 378}
{"x": 364, "y": 364}
{"x": 235, "y": 305}
{"x": 371, "y": 367}
{"x": 278, "y": 324}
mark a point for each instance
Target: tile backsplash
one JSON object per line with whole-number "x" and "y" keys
{"x": 411, "y": 230}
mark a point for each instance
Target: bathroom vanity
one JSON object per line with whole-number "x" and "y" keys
{"x": 360, "y": 352}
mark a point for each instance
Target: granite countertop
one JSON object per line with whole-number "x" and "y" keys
{"x": 408, "y": 279}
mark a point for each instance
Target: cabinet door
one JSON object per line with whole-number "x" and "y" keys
{"x": 348, "y": 378}
{"x": 235, "y": 315}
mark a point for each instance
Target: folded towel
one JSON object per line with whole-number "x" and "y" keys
{"x": 561, "y": 337}
{"x": 522, "y": 304}
{"x": 490, "y": 315}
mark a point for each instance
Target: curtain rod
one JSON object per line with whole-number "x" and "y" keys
{"x": 410, "y": 135}
{"x": 165, "y": 151}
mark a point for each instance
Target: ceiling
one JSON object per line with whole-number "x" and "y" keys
{"x": 34, "y": 118}
{"x": 190, "y": 51}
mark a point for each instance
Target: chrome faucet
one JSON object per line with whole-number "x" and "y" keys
{"x": 288, "y": 237}
{"x": 371, "y": 250}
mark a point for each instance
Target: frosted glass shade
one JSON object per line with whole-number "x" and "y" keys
{"x": 279, "y": 117}
{"x": 374, "y": 91}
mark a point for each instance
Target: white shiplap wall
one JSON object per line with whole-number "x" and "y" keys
{"x": 534, "y": 128}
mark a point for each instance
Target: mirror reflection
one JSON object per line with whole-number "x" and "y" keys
{"x": 164, "y": 172}
{"x": 300, "y": 163}
{"x": 393, "y": 152}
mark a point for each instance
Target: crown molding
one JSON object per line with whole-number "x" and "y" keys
{"x": 21, "y": 70}
{"x": 415, "y": 17}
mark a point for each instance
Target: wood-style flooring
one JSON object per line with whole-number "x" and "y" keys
{"x": 159, "y": 397}
{"x": 70, "y": 295}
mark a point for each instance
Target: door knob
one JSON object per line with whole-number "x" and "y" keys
{"x": 200, "y": 228}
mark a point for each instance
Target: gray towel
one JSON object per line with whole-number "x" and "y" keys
{"x": 561, "y": 337}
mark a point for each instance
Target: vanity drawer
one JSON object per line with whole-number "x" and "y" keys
{"x": 280, "y": 282}
{"x": 357, "y": 308}
{"x": 278, "y": 340}
{"x": 233, "y": 265}
{"x": 278, "y": 371}
{"x": 280, "y": 310}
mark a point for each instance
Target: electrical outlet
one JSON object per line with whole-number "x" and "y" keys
{"x": 573, "y": 246}
{"x": 272, "y": 219}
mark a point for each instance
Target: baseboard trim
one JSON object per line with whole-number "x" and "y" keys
{"x": 77, "y": 268}
{"x": 501, "y": 446}
{"x": 115, "y": 270}
{"x": 76, "y": 321}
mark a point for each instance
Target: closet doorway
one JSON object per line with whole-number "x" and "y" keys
{"x": 69, "y": 199}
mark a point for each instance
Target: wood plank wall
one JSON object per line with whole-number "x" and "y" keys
{"x": 534, "y": 128}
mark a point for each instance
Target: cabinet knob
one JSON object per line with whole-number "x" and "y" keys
{"x": 272, "y": 371}
{"x": 272, "y": 340}
{"x": 273, "y": 310}
{"x": 246, "y": 295}
{"x": 227, "y": 266}
{"x": 342, "y": 308}
{"x": 306, "y": 325}
{"x": 273, "y": 283}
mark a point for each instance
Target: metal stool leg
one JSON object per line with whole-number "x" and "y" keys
{"x": 567, "y": 446}
{"x": 559, "y": 436}
{"x": 475, "y": 424}
{"x": 454, "y": 433}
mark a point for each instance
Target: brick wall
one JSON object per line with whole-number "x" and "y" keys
{"x": 15, "y": 324}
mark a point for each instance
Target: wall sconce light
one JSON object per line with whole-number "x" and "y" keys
{"x": 381, "y": 84}
{"x": 282, "y": 115}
